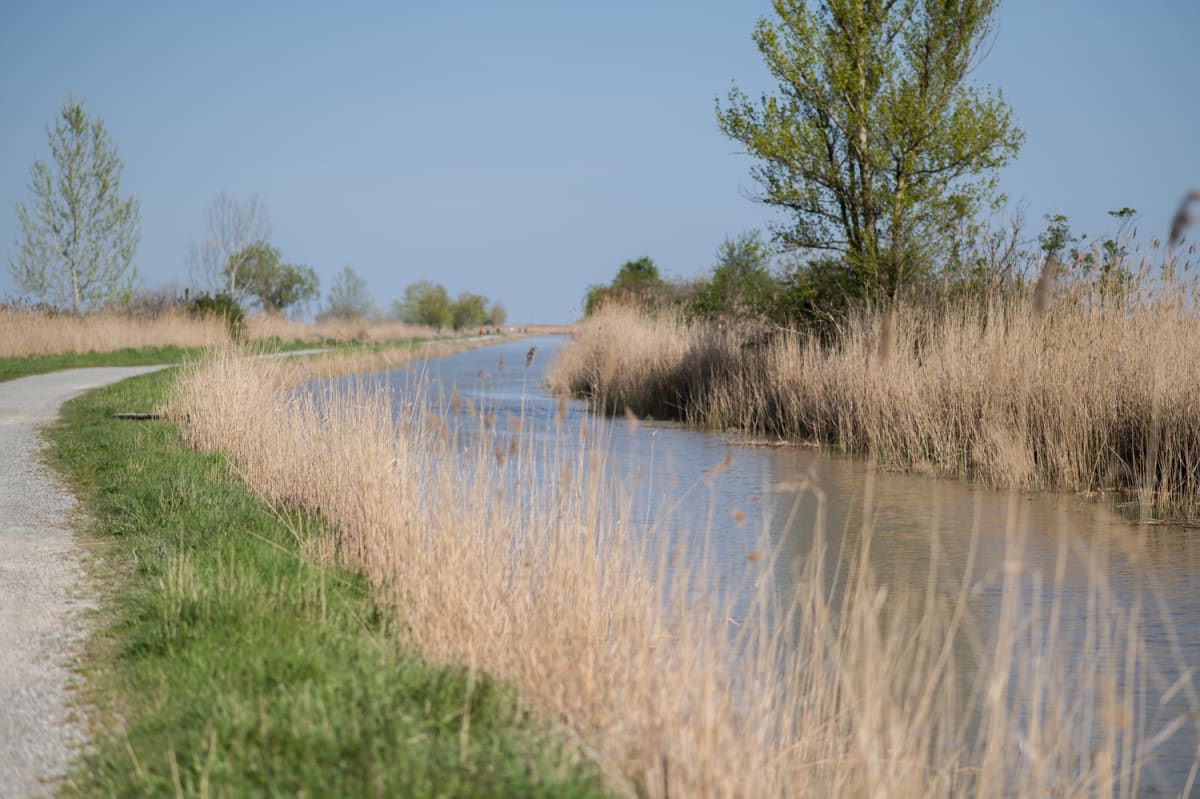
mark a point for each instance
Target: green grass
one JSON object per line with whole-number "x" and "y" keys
{"x": 12, "y": 368}
{"x": 238, "y": 667}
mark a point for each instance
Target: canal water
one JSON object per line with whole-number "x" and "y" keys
{"x": 760, "y": 505}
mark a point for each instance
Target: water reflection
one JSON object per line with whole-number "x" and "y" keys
{"x": 736, "y": 499}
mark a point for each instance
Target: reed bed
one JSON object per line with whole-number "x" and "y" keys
{"x": 1097, "y": 393}
{"x": 523, "y": 563}
{"x": 30, "y": 332}
{"x": 33, "y": 331}
{"x": 268, "y": 326}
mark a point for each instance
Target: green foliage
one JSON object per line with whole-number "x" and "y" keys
{"x": 496, "y": 315}
{"x": 637, "y": 275}
{"x": 425, "y": 303}
{"x": 273, "y": 285}
{"x": 241, "y": 667}
{"x": 469, "y": 310}
{"x": 428, "y": 303}
{"x": 348, "y": 297}
{"x": 12, "y": 368}
{"x": 1057, "y": 236}
{"x": 874, "y": 139}
{"x": 78, "y": 235}
{"x": 816, "y": 294}
{"x": 741, "y": 284}
{"x": 637, "y": 281}
{"x": 225, "y": 307}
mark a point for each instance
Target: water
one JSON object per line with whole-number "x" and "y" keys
{"x": 739, "y": 499}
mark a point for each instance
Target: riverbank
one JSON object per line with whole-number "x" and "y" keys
{"x": 516, "y": 556}
{"x": 1101, "y": 398}
{"x": 233, "y": 660}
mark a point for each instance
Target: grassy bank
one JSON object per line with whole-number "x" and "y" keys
{"x": 1097, "y": 394}
{"x": 27, "y": 332}
{"x": 234, "y": 660}
{"x": 36, "y": 341}
{"x": 339, "y": 357}
{"x": 524, "y": 563}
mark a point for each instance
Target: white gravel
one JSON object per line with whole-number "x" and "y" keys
{"x": 43, "y": 592}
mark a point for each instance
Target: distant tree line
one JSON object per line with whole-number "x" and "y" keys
{"x": 428, "y": 303}
{"x": 752, "y": 282}
{"x": 79, "y": 236}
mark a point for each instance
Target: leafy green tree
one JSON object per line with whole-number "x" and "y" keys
{"x": 636, "y": 281}
{"x": 273, "y": 285}
{"x": 221, "y": 306}
{"x": 1057, "y": 236}
{"x": 874, "y": 138}
{"x": 469, "y": 310}
{"x": 78, "y": 235}
{"x": 637, "y": 275}
{"x": 425, "y": 303}
{"x": 815, "y": 293}
{"x": 496, "y": 315}
{"x": 348, "y": 297}
{"x": 741, "y": 284}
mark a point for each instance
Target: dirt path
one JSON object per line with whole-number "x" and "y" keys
{"x": 42, "y": 592}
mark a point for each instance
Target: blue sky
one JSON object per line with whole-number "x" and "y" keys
{"x": 524, "y": 150}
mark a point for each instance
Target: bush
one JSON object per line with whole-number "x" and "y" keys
{"x": 221, "y": 305}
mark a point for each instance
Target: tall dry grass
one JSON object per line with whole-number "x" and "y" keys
{"x": 267, "y": 326}
{"x": 33, "y": 331}
{"x": 1099, "y": 393}
{"x": 28, "y": 332}
{"x": 524, "y": 563}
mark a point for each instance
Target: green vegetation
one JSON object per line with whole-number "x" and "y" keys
{"x": 428, "y": 303}
{"x": 272, "y": 285}
{"x": 637, "y": 282}
{"x": 348, "y": 297}
{"x": 221, "y": 306}
{"x": 12, "y": 368}
{"x": 740, "y": 284}
{"x": 231, "y": 226}
{"x": 235, "y": 664}
{"x": 875, "y": 146}
{"x": 78, "y": 235}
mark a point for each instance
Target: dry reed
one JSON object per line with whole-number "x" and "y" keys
{"x": 32, "y": 332}
{"x": 523, "y": 563}
{"x": 269, "y": 326}
{"x": 1084, "y": 388}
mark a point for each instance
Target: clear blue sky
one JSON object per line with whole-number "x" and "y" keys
{"x": 524, "y": 150}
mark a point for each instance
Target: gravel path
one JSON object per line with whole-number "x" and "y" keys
{"x": 42, "y": 590}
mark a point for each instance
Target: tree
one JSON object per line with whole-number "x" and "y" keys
{"x": 425, "y": 303}
{"x": 79, "y": 235}
{"x": 875, "y": 138}
{"x": 348, "y": 297}
{"x": 230, "y": 228}
{"x": 741, "y": 283}
{"x": 636, "y": 281}
{"x": 272, "y": 284}
{"x": 496, "y": 315}
{"x": 469, "y": 310}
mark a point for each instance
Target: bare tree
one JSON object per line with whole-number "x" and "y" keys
{"x": 230, "y": 228}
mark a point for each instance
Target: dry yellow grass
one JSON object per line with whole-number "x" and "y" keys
{"x": 28, "y": 332}
{"x": 1095, "y": 394}
{"x": 25, "y": 333}
{"x": 261, "y": 326}
{"x": 535, "y": 575}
